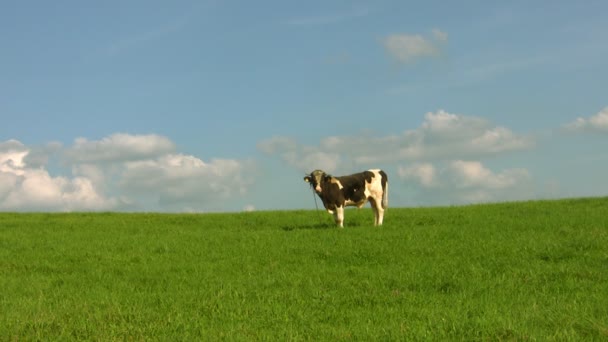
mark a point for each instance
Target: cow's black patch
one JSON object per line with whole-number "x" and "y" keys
{"x": 384, "y": 180}
{"x": 354, "y": 185}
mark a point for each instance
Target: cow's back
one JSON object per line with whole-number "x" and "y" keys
{"x": 355, "y": 181}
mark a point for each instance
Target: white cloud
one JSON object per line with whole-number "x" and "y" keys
{"x": 38, "y": 156}
{"x": 446, "y": 136}
{"x": 12, "y": 153}
{"x": 441, "y": 136}
{"x": 26, "y": 188}
{"x": 302, "y": 158}
{"x": 90, "y": 171}
{"x": 8, "y": 182}
{"x": 277, "y": 145}
{"x": 460, "y": 181}
{"x": 406, "y": 48}
{"x": 423, "y": 173}
{"x": 474, "y": 134}
{"x": 119, "y": 147}
{"x": 440, "y": 35}
{"x": 119, "y": 172}
{"x": 176, "y": 179}
{"x": 472, "y": 174}
{"x": 595, "y": 123}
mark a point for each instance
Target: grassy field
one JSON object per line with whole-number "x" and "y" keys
{"x": 511, "y": 271}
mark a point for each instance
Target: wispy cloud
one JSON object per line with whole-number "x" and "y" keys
{"x": 470, "y": 74}
{"x": 331, "y": 18}
{"x": 406, "y": 48}
{"x": 131, "y": 40}
{"x": 481, "y": 73}
{"x": 340, "y": 58}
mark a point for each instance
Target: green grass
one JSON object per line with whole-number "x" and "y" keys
{"x": 512, "y": 271}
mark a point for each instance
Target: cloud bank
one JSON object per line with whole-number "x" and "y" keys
{"x": 23, "y": 187}
{"x": 118, "y": 172}
{"x": 441, "y": 136}
{"x": 445, "y": 160}
{"x": 440, "y": 159}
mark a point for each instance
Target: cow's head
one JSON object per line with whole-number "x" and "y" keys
{"x": 316, "y": 178}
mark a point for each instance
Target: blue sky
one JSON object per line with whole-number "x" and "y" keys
{"x": 225, "y": 105}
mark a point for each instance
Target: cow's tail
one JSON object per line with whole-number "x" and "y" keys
{"x": 384, "y": 190}
{"x": 385, "y": 196}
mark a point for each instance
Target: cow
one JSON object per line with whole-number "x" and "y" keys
{"x": 351, "y": 190}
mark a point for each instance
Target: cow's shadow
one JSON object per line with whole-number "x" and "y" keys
{"x": 291, "y": 227}
{"x": 319, "y": 226}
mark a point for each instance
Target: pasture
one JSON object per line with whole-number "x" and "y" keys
{"x": 511, "y": 271}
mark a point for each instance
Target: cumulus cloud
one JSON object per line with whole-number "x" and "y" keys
{"x": 37, "y": 190}
{"x": 303, "y": 158}
{"x": 472, "y": 174}
{"x": 12, "y": 153}
{"x": 460, "y": 181}
{"x": 178, "y": 178}
{"x": 597, "y": 123}
{"x": 25, "y": 188}
{"x": 441, "y": 136}
{"x": 119, "y": 147}
{"x": 118, "y": 172}
{"x": 39, "y": 156}
{"x": 406, "y": 48}
{"x": 422, "y": 173}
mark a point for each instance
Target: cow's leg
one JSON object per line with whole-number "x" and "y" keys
{"x": 380, "y": 214}
{"x": 378, "y": 211}
{"x": 375, "y": 209}
{"x": 339, "y": 217}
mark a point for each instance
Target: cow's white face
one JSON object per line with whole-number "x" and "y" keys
{"x": 315, "y": 179}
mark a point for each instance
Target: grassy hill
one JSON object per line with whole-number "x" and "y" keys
{"x": 529, "y": 270}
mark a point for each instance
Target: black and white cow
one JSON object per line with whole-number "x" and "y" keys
{"x": 352, "y": 190}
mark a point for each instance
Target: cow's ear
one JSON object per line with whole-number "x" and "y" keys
{"x": 307, "y": 179}
{"x": 327, "y": 178}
